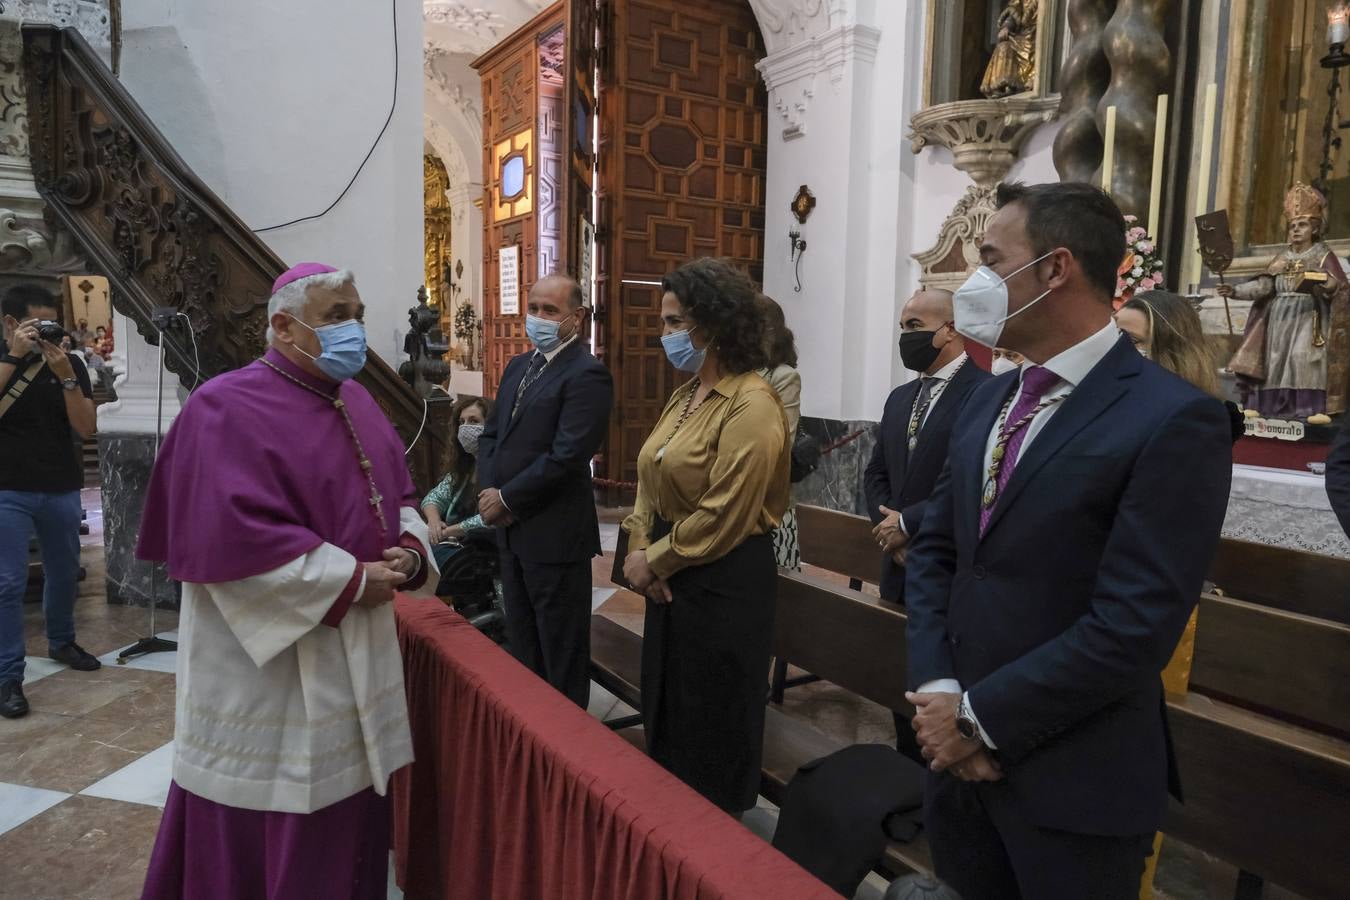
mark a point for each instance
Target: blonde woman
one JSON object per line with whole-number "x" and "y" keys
{"x": 1166, "y": 329}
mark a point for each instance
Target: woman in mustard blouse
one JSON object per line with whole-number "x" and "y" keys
{"x": 712, "y": 484}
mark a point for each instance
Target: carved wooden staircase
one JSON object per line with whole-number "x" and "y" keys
{"x": 147, "y": 222}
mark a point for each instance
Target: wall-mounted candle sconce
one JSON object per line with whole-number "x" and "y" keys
{"x": 802, "y": 205}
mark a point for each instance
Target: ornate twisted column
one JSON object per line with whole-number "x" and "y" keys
{"x": 1083, "y": 80}
{"x": 1141, "y": 64}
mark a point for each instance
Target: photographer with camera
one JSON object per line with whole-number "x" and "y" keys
{"x": 46, "y": 402}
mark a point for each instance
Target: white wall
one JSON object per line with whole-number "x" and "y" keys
{"x": 877, "y": 201}
{"x": 274, "y": 105}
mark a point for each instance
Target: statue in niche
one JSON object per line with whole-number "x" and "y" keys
{"x": 1012, "y": 67}
{"x": 1296, "y": 347}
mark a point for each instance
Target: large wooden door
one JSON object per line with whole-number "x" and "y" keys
{"x": 681, "y": 176}
{"x": 522, "y": 138}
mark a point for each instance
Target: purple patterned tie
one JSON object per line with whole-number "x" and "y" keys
{"x": 1035, "y": 382}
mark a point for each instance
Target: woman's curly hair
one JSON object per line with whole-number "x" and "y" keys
{"x": 720, "y": 300}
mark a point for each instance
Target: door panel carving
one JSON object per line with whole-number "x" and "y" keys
{"x": 681, "y": 175}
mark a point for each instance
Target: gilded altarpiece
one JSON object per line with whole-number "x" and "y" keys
{"x": 1274, "y": 111}
{"x": 436, "y": 223}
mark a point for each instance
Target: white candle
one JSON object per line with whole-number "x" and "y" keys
{"x": 1338, "y": 25}
{"x": 1109, "y": 151}
{"x": 1203, "y": 172}
{"x": 1159, "y": 150}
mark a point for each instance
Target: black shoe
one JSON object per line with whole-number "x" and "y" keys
{"x": 74, "y": 655}
{"x": 13, "y": 704}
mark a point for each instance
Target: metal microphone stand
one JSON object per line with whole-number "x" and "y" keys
{"x": 162, "y": 318}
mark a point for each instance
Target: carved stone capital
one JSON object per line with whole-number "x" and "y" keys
{"x": 957, "y": 251}
{"x": 984, "y": 136}
{"x": 790, "y": 75}
{"x": 787, "y": 23}
{"x": 29, "y": 245}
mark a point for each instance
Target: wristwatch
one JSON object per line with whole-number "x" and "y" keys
{"x": 966, "y": 725}
{"x": 69, "y": 384}
{"x": 12, "y": 359}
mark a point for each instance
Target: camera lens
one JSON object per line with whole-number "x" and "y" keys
{"x": 51, "y": 332}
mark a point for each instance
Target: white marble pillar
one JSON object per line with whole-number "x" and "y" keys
{"x": 820, "y": 134}
{"x": 126, "y": 444}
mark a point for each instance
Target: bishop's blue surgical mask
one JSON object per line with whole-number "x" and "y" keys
{"x": 543, "y": 333}
{"x": 344, "y": 348}
{"x": 681, "y": 352}
{"x": 982, "y": 304}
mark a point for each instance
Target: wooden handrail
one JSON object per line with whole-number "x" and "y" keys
{"x": 143, "y": 218}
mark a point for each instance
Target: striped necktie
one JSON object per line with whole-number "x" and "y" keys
{"x": 537, "y": 363}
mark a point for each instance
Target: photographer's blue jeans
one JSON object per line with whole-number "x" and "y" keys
{"x": 56, "y": 520}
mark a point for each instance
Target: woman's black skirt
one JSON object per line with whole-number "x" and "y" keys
{"x": 705, "y": 663}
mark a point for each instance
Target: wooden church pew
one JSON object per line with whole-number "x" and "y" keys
{"x": 1293, "y": 580}
{"x": 1284, "y": 665}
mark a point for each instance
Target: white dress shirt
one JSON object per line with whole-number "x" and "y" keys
{"x": 1072, "y": 366}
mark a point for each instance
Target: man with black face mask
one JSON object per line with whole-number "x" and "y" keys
{"x": 912, "y": 439}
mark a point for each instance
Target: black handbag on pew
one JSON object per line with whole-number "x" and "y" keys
{"x": 805, "y": 455}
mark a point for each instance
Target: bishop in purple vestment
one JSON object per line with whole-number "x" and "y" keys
{"x": 282, "y": 502}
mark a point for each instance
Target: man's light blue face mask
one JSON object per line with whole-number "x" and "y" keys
{"x": 344, "y": 348}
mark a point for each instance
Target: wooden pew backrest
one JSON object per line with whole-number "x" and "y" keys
{"x": 1268, "y": 796}
{"x": 1295, "y": 580}
{"x": 1271, "y": 798}
{"x": 845, "y": 637}
{"x": 838, "y": 542}
{"x": 1288, "y": 666}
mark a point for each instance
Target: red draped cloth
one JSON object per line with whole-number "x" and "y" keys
{"x": 518, "y": 794}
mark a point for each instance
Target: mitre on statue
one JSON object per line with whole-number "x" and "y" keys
{"x": 1304, "y": 201}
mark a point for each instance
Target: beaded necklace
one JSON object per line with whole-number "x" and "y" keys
{"x": 367, "y": 467}
{"x": 689, "y": 407}
{"x": 918, "y": 412}
{"x": 1005, "y": 434}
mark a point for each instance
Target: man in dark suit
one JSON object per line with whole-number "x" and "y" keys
{"x": 1059, "y": 559}
{"x": 535, "y": 465}
{"x": 1338, "y": 476}
{"x": 912, "y": 438}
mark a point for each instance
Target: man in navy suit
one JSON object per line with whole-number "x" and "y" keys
{"x": 912, "y": 438}
{"x": 534, "y": 457}
{"x": 911, "y": 446}
{"x": 1059, "y": 559}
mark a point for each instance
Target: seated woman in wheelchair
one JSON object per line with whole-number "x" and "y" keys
{"x": 451, "y": 508}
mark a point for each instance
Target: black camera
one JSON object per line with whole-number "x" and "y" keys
{"x": 51, "y": 332}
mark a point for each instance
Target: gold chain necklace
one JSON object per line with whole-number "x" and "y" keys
{"x": 917, "y": 414}
{"x": 689, "y": 407}
{"x": 376, "y": 501}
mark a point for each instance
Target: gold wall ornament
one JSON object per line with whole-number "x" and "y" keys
{"x": 436, "y": 219}
{"x": 1012, "y": 67}
{"x": 803, "y": 204}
